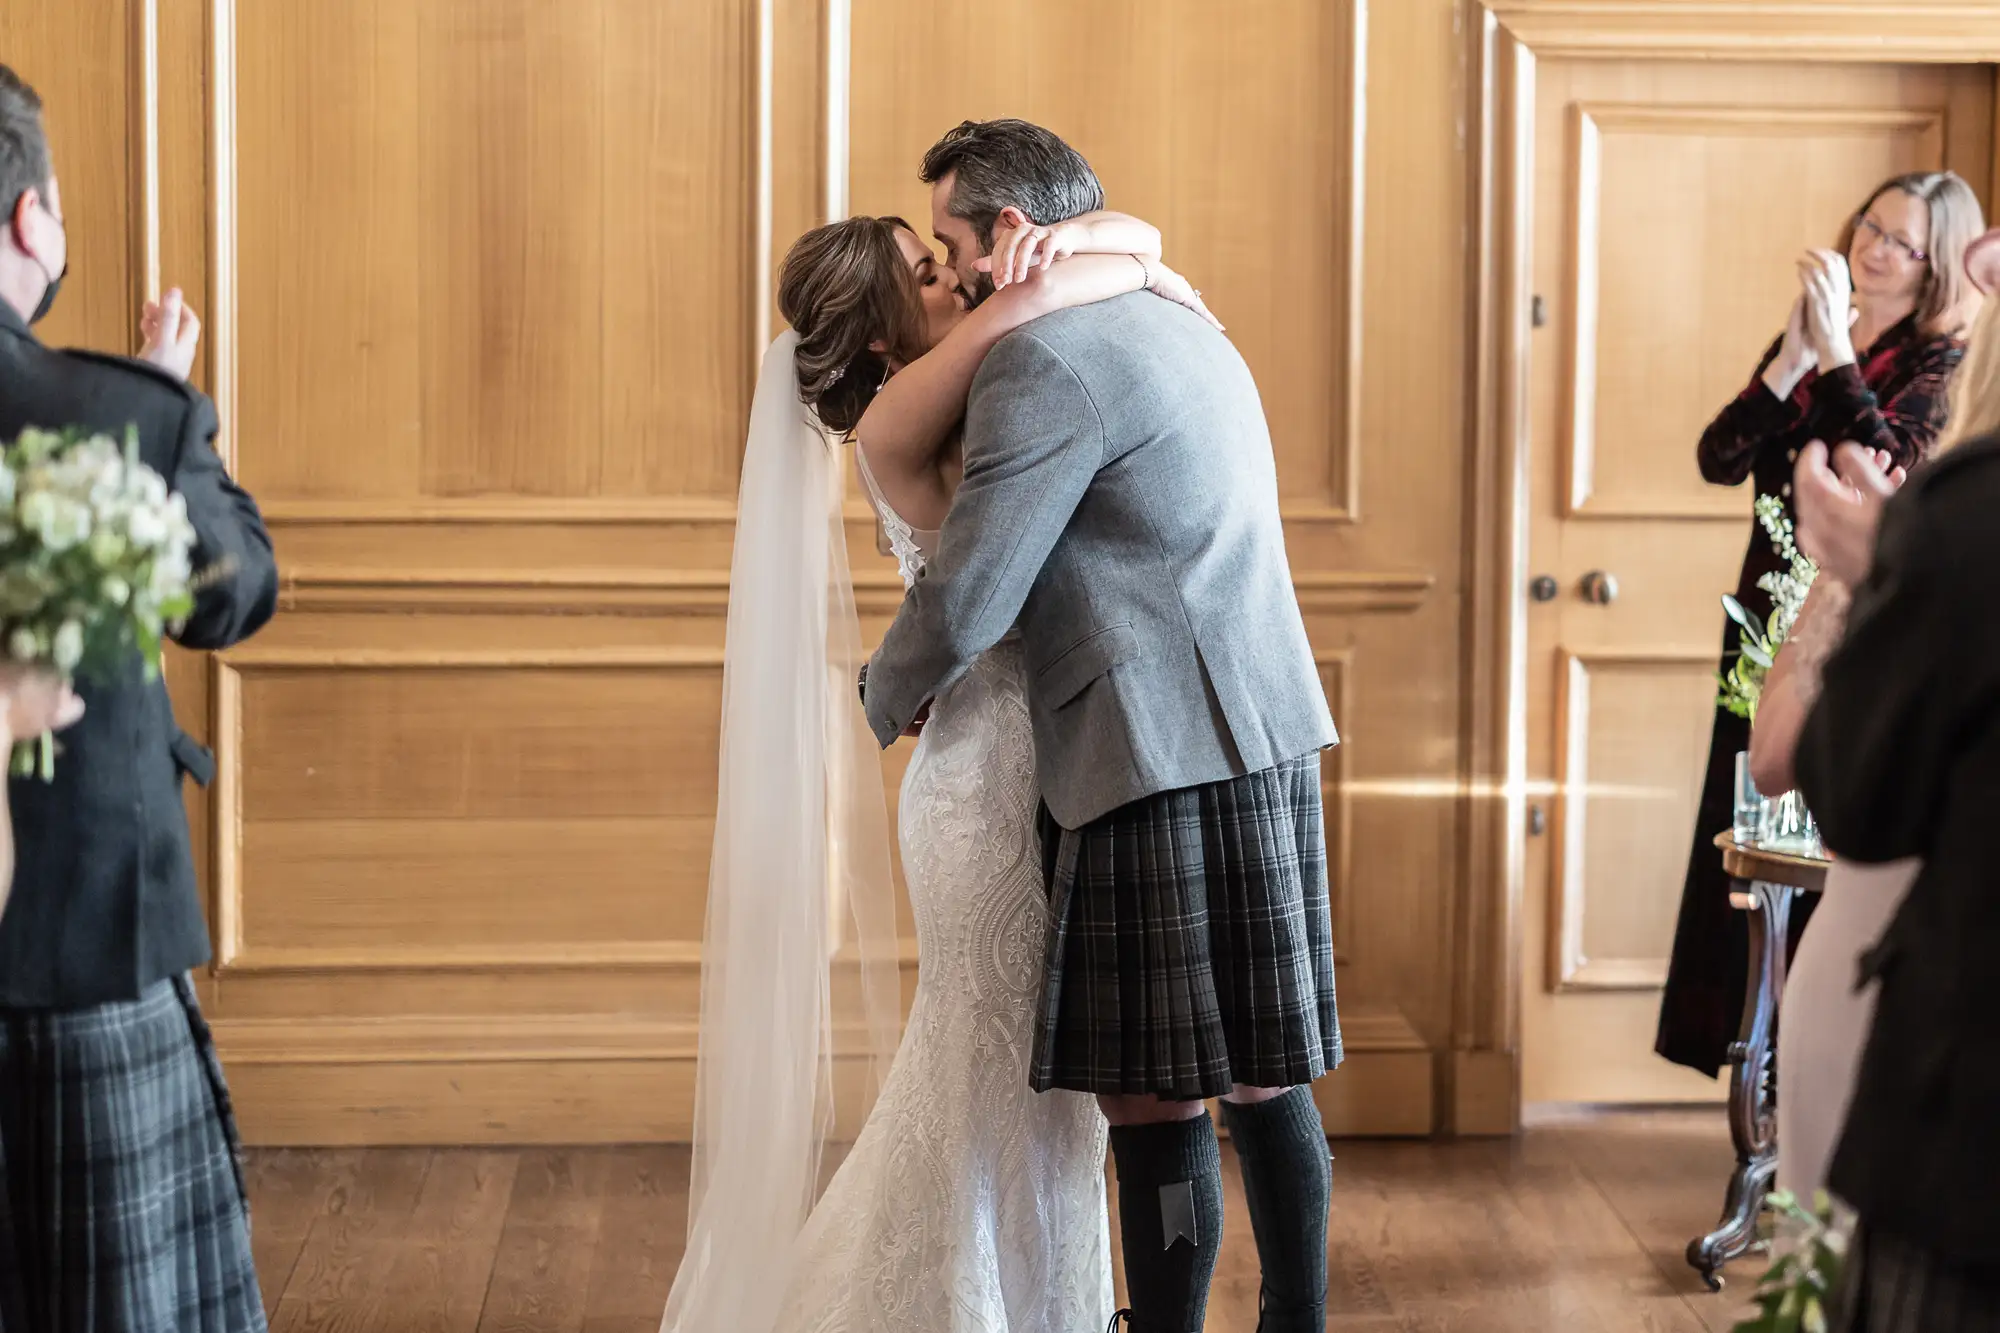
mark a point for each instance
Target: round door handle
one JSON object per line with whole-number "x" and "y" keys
{"x": 1598, "y": 588}
{"x": 1544, "y": 589}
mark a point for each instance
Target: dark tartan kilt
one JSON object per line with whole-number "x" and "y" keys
{"x": 121, "y": 1196}
{"x": 1891, "y": 1286}
{"x": 1191, "y": 943}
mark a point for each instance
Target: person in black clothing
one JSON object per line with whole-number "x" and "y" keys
{"x": 1867, "y": 355}
{"x": 1901, "y": 758}
{"x": 33, "y": 702}
{"x": 121, "y": 1199}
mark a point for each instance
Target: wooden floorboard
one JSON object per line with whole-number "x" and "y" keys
{"x": 541, "y": 1275}
{"x": 1663, "y": 1173}
{"x": 445, "y": 1261}
{"x": 640, "y": 1244}
{"x": 1577, "y": 1224}
{"x": 291, "y": 1188}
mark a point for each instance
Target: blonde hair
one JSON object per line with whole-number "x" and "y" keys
{"x": 1946, "y": 303}
{"x": 1975, "y": 389}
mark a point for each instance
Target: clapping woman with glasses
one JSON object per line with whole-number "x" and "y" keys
{"x": 1875, "y": 334}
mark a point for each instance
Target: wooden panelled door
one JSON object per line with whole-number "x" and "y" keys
{"x": 1669, "y": 202}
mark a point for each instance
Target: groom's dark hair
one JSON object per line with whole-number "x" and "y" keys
{"x": 1001, "y": 162}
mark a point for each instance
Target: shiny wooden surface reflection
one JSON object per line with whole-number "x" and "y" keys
{"x": 1575, "y": 1226}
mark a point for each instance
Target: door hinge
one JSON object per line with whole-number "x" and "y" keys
{"x": 1538, "y": 821}
{"x": 1538, "y": 311}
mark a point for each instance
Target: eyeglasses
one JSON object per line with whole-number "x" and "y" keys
{"x": 1868, "y": 227}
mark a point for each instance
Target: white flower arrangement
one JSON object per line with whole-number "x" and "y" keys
{"x": 95, "y": 562}
{"x": 1742, "y": 684}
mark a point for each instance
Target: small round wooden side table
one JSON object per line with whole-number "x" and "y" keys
{"x": 1763, "y": 884}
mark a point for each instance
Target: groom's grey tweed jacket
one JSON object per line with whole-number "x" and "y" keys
{"x": 1120, "y": 504}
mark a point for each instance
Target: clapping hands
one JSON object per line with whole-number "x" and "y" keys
{"x": 1839, "y": 500}
{"x": 1826, "y": 308}
{"x": 1817, "y": 332}
{"x": 171, "y": 333}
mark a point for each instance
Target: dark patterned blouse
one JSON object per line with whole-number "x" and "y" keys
{"x": 1893, "y": 399}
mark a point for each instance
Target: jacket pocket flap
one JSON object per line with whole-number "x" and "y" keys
{"x": 1063, "y": 679}
{"x": 195, "y": 759}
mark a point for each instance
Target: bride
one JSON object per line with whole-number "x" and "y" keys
{"x": 968, "y": 1204}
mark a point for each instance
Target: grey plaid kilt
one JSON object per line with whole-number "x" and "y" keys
{"x": 1891, "y": 1286}
{"x": 1191, "y": 942}
{"x": 122, "y": 1207}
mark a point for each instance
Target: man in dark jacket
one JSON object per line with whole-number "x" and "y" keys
{"x": 1901, "y": 758}
{"x": 121, "y": 1201}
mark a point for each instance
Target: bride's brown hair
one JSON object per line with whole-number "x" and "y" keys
{"x": 843, "y": 287}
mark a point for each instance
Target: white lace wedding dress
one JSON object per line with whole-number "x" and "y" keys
{"x": 968, "y": 1204}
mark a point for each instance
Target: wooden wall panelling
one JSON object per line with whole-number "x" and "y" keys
{"x": 1946, "y": 31}
{"x": 1375, "y": 541}
{"x": 529, "y": 296}
{"x": 437, "y": 741}
{"x": 488, "y": 378}
{"x": 1483, "y": 1076}
{"x": 1273, "y": 165}
{"x": 89, "y": 61}
{"x": 1405, "y": 722}
{"x": 1223, "y": 127}
{"x": 486, "y": 367}
{"x": 495, "y": 282}
{"x": 471, "y": 808}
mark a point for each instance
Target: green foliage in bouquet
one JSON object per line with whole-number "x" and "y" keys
{"x": 95, "y": 561}
{"x": 1795, "y": 1291}
{"x": 1742, "y": 683}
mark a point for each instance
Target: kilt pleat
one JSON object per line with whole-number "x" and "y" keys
{"x": 1892, "y": 1286}
{"x": 122, "y": 1207}
{"x": 1191, "y": 942}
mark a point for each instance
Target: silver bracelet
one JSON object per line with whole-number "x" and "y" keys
{"x": 1145, "y": 273}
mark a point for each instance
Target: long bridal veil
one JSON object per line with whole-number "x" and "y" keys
{"x": 800, "y": 993}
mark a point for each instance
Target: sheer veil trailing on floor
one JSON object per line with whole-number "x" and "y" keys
{"x": 800, "y": 995}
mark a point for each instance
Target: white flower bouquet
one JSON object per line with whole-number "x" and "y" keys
{"x": 95, "y": 562}
{"x": 1742, "y": 685}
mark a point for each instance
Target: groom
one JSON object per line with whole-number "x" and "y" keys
{"x": 1120, "y": 504}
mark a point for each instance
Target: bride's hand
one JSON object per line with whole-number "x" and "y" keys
{"x": 1021, "y": 249}
{"x": 1165, "y": 282}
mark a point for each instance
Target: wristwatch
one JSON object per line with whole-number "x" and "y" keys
{"x": 861, "y": 684}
